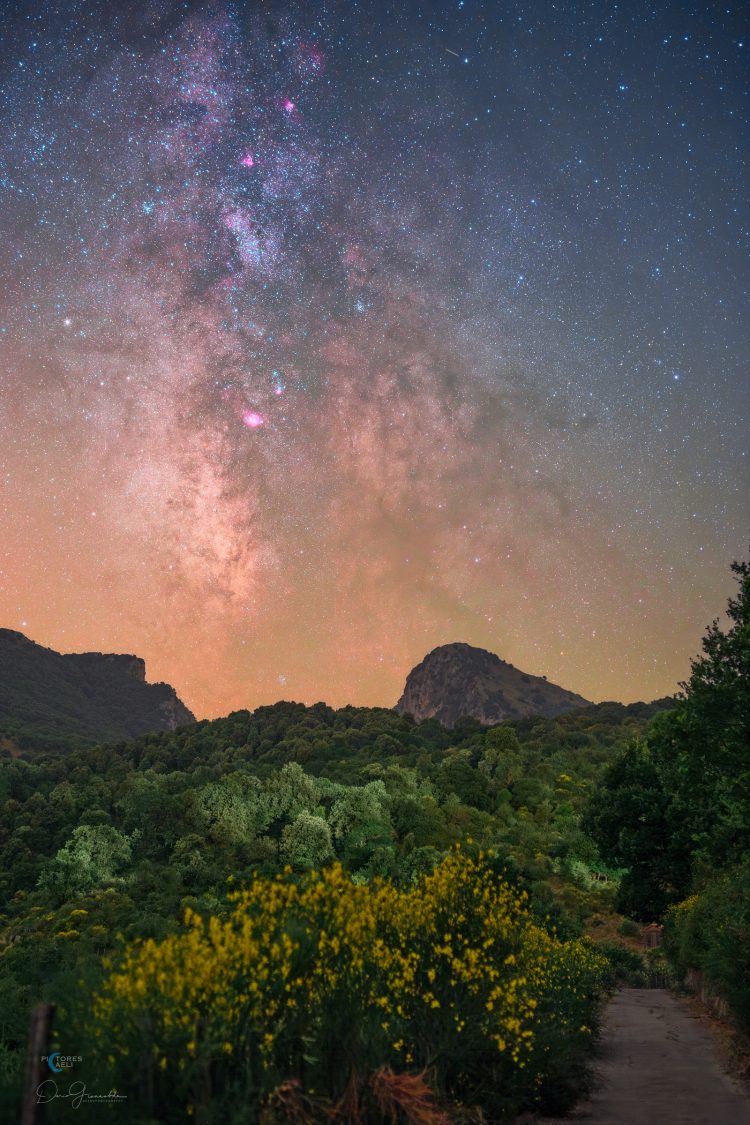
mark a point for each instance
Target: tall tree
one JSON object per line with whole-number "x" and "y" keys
{"x": 684, "y": 798}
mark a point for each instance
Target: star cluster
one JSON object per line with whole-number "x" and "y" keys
{"x": 330, "y": 333}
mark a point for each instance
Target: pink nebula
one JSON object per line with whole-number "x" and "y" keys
{"x": 288, "y": 105}
{"x": 252, "y": 420}
{"x": 247, "y": 160}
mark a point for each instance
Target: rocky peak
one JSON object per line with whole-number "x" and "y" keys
{"x": 457, "y": 680}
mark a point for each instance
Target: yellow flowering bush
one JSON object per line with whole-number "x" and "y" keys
{"x": 321, "y": 981}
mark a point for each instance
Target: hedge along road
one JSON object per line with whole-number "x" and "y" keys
{"x": 659, "y": 1066}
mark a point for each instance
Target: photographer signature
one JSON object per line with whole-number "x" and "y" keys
{"x": 48, "y": 1091}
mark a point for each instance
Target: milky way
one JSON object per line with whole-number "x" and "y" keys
{"x": 333, "y": 332}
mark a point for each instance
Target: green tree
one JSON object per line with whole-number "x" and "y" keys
{"x": 306, "y": 842}
{"x": 684, "y": 798}
{"x": 291, "y": 791}
{"x": 360, "y": 822}
{"x": 502, "y": 759}
{"x": 703, "y": 746}
{"x": 457, "y": 775}
{"x": 357, "y": 805}
{"x": 93, "y": 855}
{"x": 234, "y": 810}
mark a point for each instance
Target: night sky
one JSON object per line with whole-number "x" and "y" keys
{"x": 333, "y": 332}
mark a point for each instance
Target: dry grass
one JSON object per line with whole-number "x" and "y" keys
{"x": 288, "y": 1102}
{"x": 406, "y": 1097}
{"x": 347, "y": 1110}
{"x": 386, "y": 1097}
{"x": 605, "y": 928}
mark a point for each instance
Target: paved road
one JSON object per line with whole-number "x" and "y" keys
{"x": 659, "y": 1066}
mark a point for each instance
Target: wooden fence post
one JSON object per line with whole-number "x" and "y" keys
{"x": 146, "y": 1068}
{"x": 33, "y": 1112}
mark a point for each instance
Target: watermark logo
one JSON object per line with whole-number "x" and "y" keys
{"x": 57, "y": 1062}
{"x": 76, "y": 1094}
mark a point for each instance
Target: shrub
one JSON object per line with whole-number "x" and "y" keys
{"x": 625, "y": 966}
{"x": 710, "y": 931}
{"x": 317, "y": 985}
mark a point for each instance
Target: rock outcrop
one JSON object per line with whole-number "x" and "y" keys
{"x": 458, "y": 680}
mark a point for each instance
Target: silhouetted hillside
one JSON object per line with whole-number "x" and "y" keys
{"x": 53, "y": 701}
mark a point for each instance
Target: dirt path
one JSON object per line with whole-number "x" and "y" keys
{"x": 659, "y": 1066}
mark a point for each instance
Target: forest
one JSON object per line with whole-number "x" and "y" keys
{"x": 310, "y": 914}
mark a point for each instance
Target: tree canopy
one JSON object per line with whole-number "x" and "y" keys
{"x": 679, "y": 803}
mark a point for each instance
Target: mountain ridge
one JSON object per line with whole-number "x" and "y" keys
{"x": 53, "y": 700}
